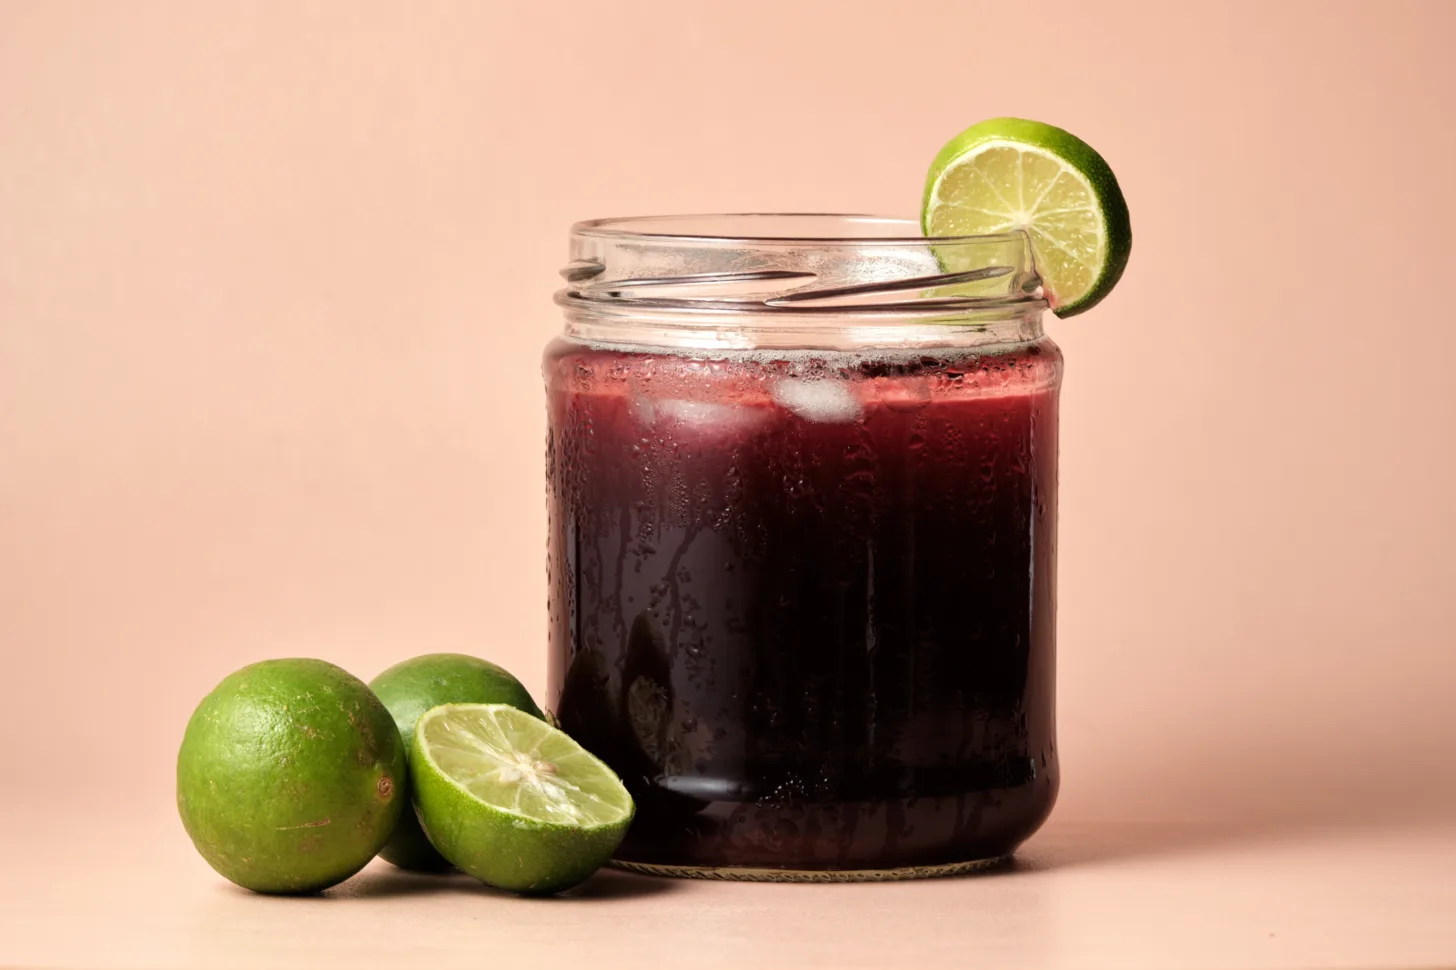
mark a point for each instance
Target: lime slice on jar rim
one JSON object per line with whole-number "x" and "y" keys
{"x": 1009, "y": 174}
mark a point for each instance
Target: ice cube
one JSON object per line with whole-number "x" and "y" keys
{"x": 706, "y": 414}
{"x": 640, "y": 405}
{"x": 823, "y": 402}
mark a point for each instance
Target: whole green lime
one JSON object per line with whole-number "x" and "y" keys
{"x": 290, "y": 777}
{"x": 411, "y": 688}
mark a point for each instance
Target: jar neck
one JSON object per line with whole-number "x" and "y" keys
{"x": 797, "y": 281}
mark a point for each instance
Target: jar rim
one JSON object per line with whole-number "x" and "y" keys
{"x": 874, "y": 230}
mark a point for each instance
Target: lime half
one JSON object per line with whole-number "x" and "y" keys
{"x": 512, "y": 800}
{"x": 1007, "y": 174}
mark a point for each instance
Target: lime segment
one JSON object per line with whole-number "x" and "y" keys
{"x": 1007, "y": 175}
{"x": 512, "y": 800}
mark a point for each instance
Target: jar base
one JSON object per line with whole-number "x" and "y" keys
{"x": 751, "y": 874}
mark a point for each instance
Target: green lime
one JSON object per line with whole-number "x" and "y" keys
{"x": 290, "y": 777}
{"x": 1008, "y": 174}
{"x": 411, "y": 688}
{"x": 513, "y": 801}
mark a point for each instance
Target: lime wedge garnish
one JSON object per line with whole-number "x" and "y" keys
{"x": 512, "y": 800}
{"x": 1007, "y": 174}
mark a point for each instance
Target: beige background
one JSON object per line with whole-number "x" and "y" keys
{"x": 274, "y": 280}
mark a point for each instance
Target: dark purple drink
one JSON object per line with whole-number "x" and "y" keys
{"x": 802, "y": 601}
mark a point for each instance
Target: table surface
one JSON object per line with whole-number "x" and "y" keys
{"x": 75, "y": 893}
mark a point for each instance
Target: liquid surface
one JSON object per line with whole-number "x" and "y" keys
{"x": 803, "y": 604}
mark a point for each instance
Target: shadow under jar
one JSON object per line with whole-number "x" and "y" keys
{"x": 802, "y": 479}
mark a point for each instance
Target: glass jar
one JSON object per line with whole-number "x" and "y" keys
{"x": 802, "y": 478}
